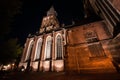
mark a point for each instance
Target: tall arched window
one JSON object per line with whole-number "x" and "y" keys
{"x": 48, "y": 48}
{"x": 59, "y": 47}
{"x": 38, "y": 49}
{"x": 29, "y": 51}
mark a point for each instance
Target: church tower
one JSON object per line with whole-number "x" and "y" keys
{"x": 50, "y": 21}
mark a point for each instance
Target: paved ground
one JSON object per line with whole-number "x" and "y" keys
{"x": 58, "y": 76}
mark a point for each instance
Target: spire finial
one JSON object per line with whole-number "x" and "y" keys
{"x": 51, "y": 11}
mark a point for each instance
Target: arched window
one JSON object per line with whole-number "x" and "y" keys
{"x": 38, "y": 49}
{"x": 59, "y": 47}
{"x": 48, "y": 48}
{"x": 29, "y": 51}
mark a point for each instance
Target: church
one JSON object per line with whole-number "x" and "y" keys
{"x": 85, "y": 47}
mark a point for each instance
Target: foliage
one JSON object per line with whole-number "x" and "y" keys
{"x": 10, "y": 50}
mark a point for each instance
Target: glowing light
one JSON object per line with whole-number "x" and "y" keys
{"x": 46, "y": 65}
{"x": 59, "y": 65}
{"x": 8, "y": 65}
{"x": 13, "y": 64}
{"x": 119, "y": 65}
{"x": 22, "y": 69}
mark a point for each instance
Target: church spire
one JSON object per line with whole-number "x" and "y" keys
{"x": 51, "y": 11}
{"x": 50, "y": 21}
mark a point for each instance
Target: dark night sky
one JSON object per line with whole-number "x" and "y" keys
{"x": 32, "y": 12}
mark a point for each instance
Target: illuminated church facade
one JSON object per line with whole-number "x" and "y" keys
{"x": 76, "y": 47}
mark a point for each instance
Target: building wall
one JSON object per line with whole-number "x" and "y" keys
{"x": 78, "y": 54}
{"x": 114, "y": 48}
{"x": 116, "y": 4}
{"x": 79, "y": 57}
{"x": 42, "y": 64}
{"x": 26, "y": 63}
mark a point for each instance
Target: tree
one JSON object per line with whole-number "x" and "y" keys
{"x": 9, "y": 48}
{"x": 10, "y": 51}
